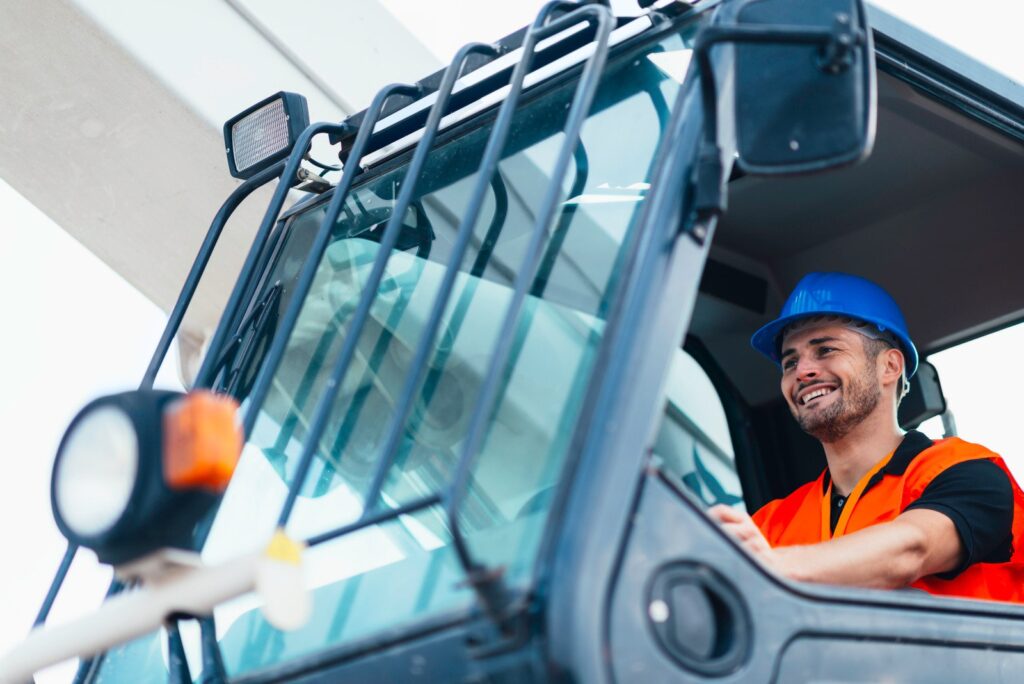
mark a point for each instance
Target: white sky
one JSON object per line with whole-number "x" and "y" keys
{"x": 76, "y": 330}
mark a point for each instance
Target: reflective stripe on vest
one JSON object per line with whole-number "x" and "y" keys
{"x": 799, "y": 518}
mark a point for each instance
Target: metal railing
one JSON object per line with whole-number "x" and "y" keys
{"x": 553, "y": 18}
{"x": 286, "y": 174}
{"x": 174, "y": 323}
{"x": 484, "y": 581}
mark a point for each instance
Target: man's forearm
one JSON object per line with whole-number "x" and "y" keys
{"x": 890, "y": 555}
{"x": 887, "y": 556}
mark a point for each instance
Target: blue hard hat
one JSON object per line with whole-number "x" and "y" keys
{"x": 837, "y": 294}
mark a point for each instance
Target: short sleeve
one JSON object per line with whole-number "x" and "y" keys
{"x": 977, "y": 496}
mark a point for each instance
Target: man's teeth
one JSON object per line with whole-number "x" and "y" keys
{"x": 815, "y": 394}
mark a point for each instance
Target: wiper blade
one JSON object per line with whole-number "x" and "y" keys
{"x": 256, "y": 327}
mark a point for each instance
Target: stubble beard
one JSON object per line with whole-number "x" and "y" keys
{"x": 859, "y": 399}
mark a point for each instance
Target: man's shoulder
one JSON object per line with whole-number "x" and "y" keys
{"x": 947, "y": 452}
{"x": 960, "y": 446}
{"x": 944, "y": 454}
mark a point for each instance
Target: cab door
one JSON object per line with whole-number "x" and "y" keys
{"x": 645, "y": 587}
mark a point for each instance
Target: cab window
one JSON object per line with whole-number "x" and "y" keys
{"x": 980, "y": 380}
{"x": 693, "y": 444}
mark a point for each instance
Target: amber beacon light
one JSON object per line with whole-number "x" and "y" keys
{"x": 135, "y": 472}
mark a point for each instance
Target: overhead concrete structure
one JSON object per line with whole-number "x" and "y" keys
{"x": 106, "y": 129}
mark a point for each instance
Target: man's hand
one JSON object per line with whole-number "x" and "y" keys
{"x": 741, "y": 526}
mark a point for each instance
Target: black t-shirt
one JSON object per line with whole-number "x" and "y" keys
{"x": 975, "y": 495}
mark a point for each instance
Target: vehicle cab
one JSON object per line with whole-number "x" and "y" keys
{"x": 494, "y": 369}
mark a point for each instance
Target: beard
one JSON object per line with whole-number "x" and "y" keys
{"x": 859, "y": 398}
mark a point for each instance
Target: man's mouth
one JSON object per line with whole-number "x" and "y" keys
{"x": 813, "y": 393}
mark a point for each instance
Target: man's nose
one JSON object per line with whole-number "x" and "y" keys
{"x": 806, "y": 369}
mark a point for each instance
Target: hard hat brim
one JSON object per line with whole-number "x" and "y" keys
{"x": 766, "y": 339}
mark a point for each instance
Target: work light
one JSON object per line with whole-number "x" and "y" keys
{"x": 265, "y": 133}
{"x": 136, "y": 471}
{"x": 98, "y": 469}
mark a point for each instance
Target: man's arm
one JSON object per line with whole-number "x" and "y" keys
{"x": 890, "y": 555}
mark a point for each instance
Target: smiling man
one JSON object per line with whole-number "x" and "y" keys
{"x": 892, "y": 509}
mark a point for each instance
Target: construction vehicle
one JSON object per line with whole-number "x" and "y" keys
{"x": 490, "y": 376}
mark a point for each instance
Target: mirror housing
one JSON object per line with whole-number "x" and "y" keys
{"x": 924, "y": 400}
{"x": 804, "y": 88}
{"x": 804, "y": 107}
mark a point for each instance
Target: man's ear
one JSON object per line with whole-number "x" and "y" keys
{"x": 892, "y": 363}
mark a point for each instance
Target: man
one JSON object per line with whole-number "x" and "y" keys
{"x": 892, "y": 509}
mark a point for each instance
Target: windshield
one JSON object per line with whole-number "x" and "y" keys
{"x": 404, "y": 572}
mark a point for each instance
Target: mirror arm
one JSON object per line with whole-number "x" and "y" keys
{"x": 948, "y": 424}
{"x": 838, "y": 45}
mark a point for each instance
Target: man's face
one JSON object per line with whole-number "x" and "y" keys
{"x": 828, "y": 381}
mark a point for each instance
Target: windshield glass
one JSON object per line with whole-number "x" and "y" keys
{"x": 404, "y": 572}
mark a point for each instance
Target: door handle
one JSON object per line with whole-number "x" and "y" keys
{"x": 699, "y": 618}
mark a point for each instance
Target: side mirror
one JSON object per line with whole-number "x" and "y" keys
{"x": 924, "y": 400}
{"x": 803, "y": 107}
{"x": 804, "y": 90}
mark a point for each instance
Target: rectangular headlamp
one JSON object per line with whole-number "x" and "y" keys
{"x": 264, "y": 134}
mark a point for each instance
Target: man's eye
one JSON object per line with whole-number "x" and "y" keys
{"x": 789, "y": 364}
{"x": 822, "y": 351}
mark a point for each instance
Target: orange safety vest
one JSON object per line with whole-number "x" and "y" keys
{"x": 801, "y": 518}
